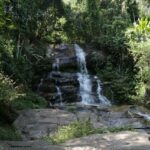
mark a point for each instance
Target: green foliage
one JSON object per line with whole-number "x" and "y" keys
{"x": 12, "y": 98}
{"x": 27, "y": 26}
{"x": 103, "y": 25}
{"x": 139, "y": 39}
{"x": 121, "y": 86}
{"x": 22, "y": 67}
{"x": 143, "y": 6}
{"x": 74, "y": 130}
{"x": 34, "y": 19}
{"x": 79, "y": 129}
{"x": 7, "y": 89}
{"x": 24, "y": 28}
{"x": 8, "y": 132}
{"x": 29, "y": 100}
{"x": 8, "y": 93}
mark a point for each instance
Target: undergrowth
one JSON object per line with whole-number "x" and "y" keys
{"x": 29, "y": 100}
{"x": 79, "y": 129}
{"x": 8, "y": 132}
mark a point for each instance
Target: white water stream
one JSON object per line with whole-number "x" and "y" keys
{"x": 85, "y": 81}
{"x": 102, "y": 98}
{"x": 59, "y": 94}
{"x": 56, "y": 67}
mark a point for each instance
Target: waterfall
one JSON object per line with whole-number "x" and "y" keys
{"x": 55, "y": 67}
{"x": 81, "y": 59}
{"x": 102, "y": 98}
{"x": 59, "y": 94}
{"x": 85, "y": 81}
{"x": 85, "y": 88}
{"x": 70, "y": 85}
{"x": 83, "y": 77}
{"x": 40, "y": 84}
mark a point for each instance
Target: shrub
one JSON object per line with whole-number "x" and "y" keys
{"x": 139, "y": 43}
{"x": 74, "y": 130}
{"x": 29, "y": 100}
{"x": 8, "y": 132}
{"x": 80, "y": 129}
{"x": 7, "y": 94}
{"x": 7, "y": 89}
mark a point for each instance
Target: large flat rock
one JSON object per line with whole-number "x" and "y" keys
{"x": 114, "y": 141}
{"x": 38, "y": 123}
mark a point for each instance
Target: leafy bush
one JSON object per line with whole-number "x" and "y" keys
{"x": 7, "y": 94}
{"x": 106, "y": 22}
{"x": 29, "y": 100}
{"x": 7, "y": 89}
{"x": 8, "y": 132}
{"x": 139, "y": 42}
{"x": 80, "y": 129}
{"x": 120, "y": 83}
{"x": 12, "y": 98}
{"x": 74, "y": 130}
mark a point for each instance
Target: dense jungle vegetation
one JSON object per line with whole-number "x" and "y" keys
{"x": 120, "y": 29}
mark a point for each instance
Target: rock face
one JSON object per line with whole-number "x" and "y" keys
{"x": 34, "y": 124}
{"x": 66, "y": 83}
{"x": 38, "y": 123}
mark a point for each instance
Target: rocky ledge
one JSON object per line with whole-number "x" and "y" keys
{"x": 117, "y": 141}
{"x": 38, "y": 123}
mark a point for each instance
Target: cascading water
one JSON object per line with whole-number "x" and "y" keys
{"x": 59, "y": 94}
{"x": 85, "y": 88}
{"x": 55, "y": 67}
{"x": 85, "y": 81}
{"x": 83, "y": 77}
{"x": 60, "y": 86}
{"x": 40, "y": 84}
{"x": 101, "y": 97}
{"x": 81, "y": 59}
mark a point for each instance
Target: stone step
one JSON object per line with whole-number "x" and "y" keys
{"x": 66, "y": 63}
{"x": 65, "y": 75}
